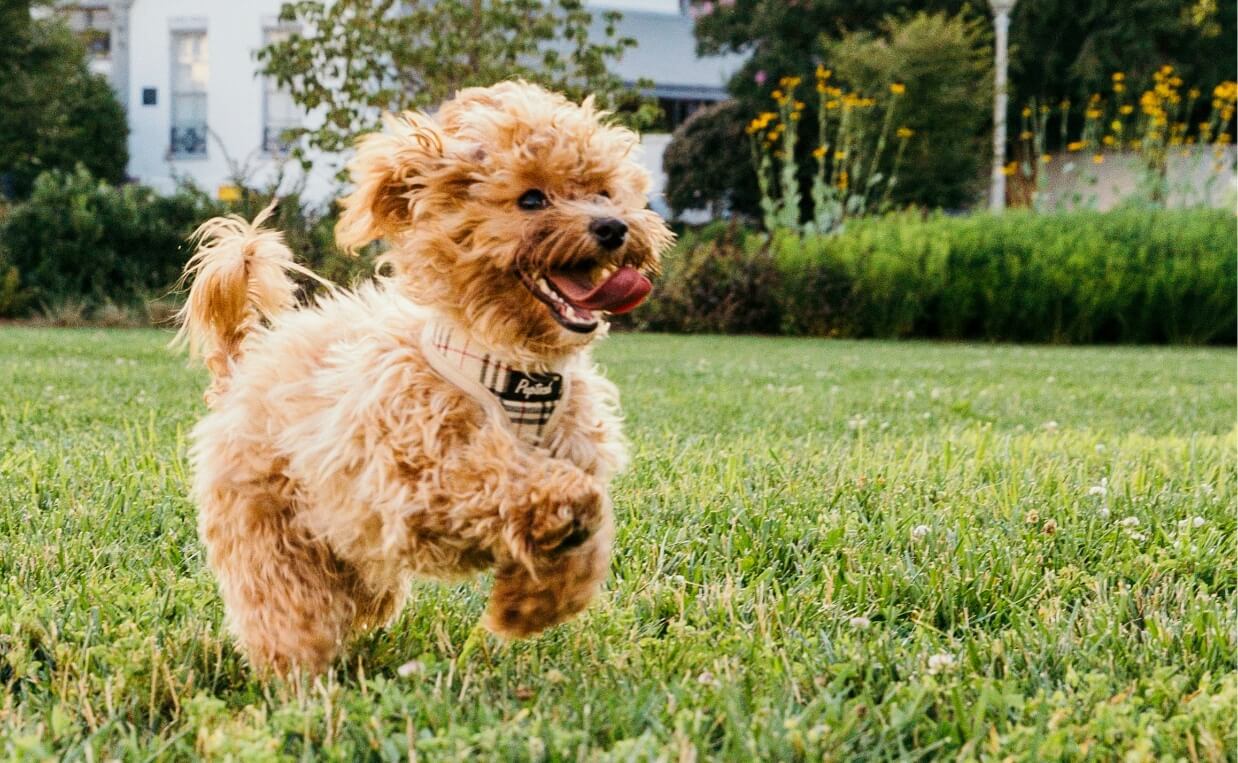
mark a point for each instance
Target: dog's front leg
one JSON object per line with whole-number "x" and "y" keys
{"x": 518, "y": 503}
{"x": 527, "y": 600}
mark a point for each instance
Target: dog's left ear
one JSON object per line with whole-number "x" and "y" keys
{"x": 392, "y": 173}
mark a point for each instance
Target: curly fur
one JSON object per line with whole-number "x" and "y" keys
{"x": 335, "y": 464}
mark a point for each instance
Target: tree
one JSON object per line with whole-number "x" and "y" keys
{"x": 1068, "y": 48}
{"x": 54, "y": 113}
{"x": 945, "y": 64}
{"x": 1059, "y": 48}
{"x": 350, "y": 60}
{"x": 701, "y": 170}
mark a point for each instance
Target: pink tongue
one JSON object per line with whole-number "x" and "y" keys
{"x": 626, "y": 288}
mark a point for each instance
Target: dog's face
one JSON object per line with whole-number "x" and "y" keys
{"x": 513, "y": 210}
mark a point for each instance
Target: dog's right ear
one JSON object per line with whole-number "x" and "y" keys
{"x": 390, "y": 172}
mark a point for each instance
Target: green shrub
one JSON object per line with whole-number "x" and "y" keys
{"x": 102, "y": 250}
{"x": 946, "y": 65}
{"x": 77, "y": 238}
{"x": 1124, "y": 276}
{"x": 720, "y": 281}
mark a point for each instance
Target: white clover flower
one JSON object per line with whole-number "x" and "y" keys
{"x": 1129, "y": 522}
{"x": 1103, "y": 512}
{"x": 940, "y": 663}
{"x": 410, "y": 668}
{"x": 1198, "y": 522}
{"x": 860, "y": 623}
{"x": 919, "y": 532}
{"x": 1101, "y": 488}
{"x": 706, "y": 679}
{"x": 1050, "y": 426}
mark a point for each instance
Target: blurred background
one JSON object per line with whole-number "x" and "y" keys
{"x": 1037, "y": 170}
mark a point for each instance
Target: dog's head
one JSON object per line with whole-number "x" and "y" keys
{"x": 513, "y": 210}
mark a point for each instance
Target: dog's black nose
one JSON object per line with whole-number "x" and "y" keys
{"x": 609, "y": 231}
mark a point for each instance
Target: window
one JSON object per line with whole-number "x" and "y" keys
{"x": 676, "y": 111}
{"x": 190, "y": 70}
{"x": 92, "y": 23}
{"x": 279, "y": 112}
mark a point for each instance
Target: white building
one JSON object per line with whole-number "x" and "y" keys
{"x": 186, "y": 73}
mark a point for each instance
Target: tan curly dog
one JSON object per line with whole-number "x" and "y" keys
{"x": 444, "y": 420}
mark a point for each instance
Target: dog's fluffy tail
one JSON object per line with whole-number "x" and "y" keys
{"x": 240, "y": 274}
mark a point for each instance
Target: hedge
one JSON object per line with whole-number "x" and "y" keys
{"x": 80, "y": 241}
{"x": 1131, "y": 275}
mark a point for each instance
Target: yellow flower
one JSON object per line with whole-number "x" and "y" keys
{"x": 1010, "y": 168}
{"x": 1193, "y": 93}
{"x": 905, "y": 132}
{"x": 1025, "y": 135}
{"x": 1118, "y": 87}
{"x": 898, "y": 88}
{"x": 1092, "y": 113}
{"x": 789, "y": 83}
{"x": 795, "y": 116}
{"x": 821, "y": 88}
{"x": 1126, "y": 109}
{"x": 1098, "y": 158}
{"x": 1116, "y": 126}
{"x": 1118, "y": 76}
{"x": 823, "y": 73}
{"x": 1223, "y": 139}
{"x": 1108, "y": 140}
{"x": 776, "y": 95}
{"x": 1064, "y": 105}
{"x": 1075, "y": 146}
{"x": 1044, "y": 109}
{"x": 1045, "y": 158}
{"x": 798, "y": 105}
{"x": 1027, "y": 111}
{"x": 1136, "y": 144}
{"x": 818, "y": 152}
{"x": 831, "y": 104}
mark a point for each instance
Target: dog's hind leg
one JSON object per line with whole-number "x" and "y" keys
{"x": 289, "y": 600}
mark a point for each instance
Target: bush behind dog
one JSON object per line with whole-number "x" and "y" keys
{"x": 1132, "y": 275}
{"x": 80, "y": 250}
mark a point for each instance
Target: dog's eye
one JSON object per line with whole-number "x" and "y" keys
{"x": 604, "y": 194}
{"x": 532, "y": 200}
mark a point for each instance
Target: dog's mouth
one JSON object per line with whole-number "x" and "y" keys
{"x": 576, "y": 295}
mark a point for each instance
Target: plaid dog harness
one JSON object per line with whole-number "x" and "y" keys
{"x": 530, "y": 402}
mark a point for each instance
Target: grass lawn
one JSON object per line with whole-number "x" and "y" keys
{"x": 826, "y": 549}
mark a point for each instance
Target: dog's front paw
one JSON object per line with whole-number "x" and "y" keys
{"x": 562, "y": 514}
{"x": 567, "y": 517}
